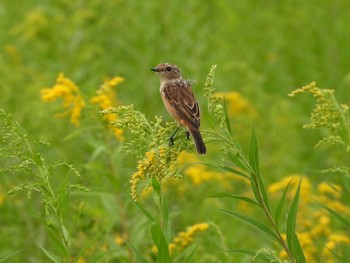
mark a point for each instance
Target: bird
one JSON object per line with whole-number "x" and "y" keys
{"x": 180, "y": 102}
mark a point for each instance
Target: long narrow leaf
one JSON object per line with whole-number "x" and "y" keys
{"x": 262, "y": 190}
{"x": 139, "y": 257}
{"x": 227, "y": 120}
{"x": 254, "y": 153}
{"x": 253, "y": 223}
{"x": 51, "y": 255}
{"x": 237, "y": 160}
{"x": 292, "y": 238}
{"x": 279, "y": 209}
{"x": 145, "y": 212}
{"x": 254, "y": 187}
{"x": 242, "y": 198}
{"x": 165, "y": 216}
{"x": 189, "y": 257}
{"x": 298, "y": 251}
{"x": 338, "y": 216}
{"x": 160, "y": 242}
{"x": 252, "y": 253}
{"x": 228, "y": 169}
{"x": 10, "y": 255}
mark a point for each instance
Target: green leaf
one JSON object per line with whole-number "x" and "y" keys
{"x": 145, "y": 212}
{"x": 227, "y": 120}
{"x": 338, "y": 216}
{"x": 156, "y": 185}
{"x": 189, "y": 257}
{"x": 254, "y": 153}
{"x": 255, "y": 178}
{"x": 160, "y": 242}
{"x": 253, "y": 254}
{"x": 10, "y": 255}
{"x": 298, "y": 251}
{"x": 227, "y": 169}
{"x": 263, "y": 193}
{"x": 243, "y": 198}
{"x": 279, "y": 210}
{"x": 237, "y": 160}
{"x": 51, "y": 255}
{"x": 165, "y": 217}
{"x": 139, "y": 257}
{"x": 253, "y": 223}
{"x": 292, "y": 238}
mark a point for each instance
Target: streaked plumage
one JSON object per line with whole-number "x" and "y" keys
{"x": 180, "y": 102}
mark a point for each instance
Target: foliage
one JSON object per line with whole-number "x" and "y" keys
{"x": 73, "y": 59}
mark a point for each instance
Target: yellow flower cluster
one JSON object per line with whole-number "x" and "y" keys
{"x": 184, "y": 238}
{"x": 317, "y": 234}
{"x": 156, "y": 164}
{"x": 237, "y": 104}
{"x": 105, "y": 98}
{"x": 73, "y": 102}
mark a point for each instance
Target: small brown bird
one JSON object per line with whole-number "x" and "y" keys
{"x": 180, "y": 102}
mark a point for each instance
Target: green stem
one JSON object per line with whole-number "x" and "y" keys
{"x": 260, "y": 196}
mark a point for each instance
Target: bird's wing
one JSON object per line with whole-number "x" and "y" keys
{"x": 180, "y": 96}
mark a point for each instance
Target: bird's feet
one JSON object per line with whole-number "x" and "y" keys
{"x": 187, "y": 135}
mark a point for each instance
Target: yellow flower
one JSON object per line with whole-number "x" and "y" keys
{"x": 73, "y": 102}
{"x": 156, "y": 163}
{"x": 184, "y": 238}
{"x": 237, "y": 104}
{"x": 105, "y": 98}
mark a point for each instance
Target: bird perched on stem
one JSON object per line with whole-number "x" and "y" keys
{"x": 180, "y": 102}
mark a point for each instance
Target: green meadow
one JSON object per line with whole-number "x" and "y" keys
{"x": 86, "y": 170}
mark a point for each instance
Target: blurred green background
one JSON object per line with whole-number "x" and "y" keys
{"x": 263, "y": 49}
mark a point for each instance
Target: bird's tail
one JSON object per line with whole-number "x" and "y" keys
{"x": 198, "y": 141}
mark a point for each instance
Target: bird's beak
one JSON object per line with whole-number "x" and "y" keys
{"x": 154, "y": 69}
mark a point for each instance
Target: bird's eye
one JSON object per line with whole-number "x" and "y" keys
{"x": 168, "y": 68}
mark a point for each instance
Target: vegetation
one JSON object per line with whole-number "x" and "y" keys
{"x": 86, "y": 170}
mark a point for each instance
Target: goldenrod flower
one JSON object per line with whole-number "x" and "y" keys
{"x": 106, "y": 98}
{"x": 73, "y": 102}
{"x": 157, "y": 163}
{"x": 184, "y": 238}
